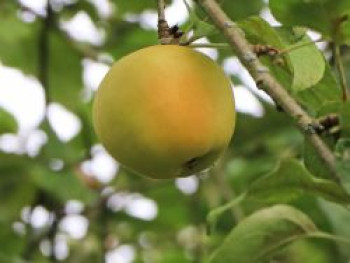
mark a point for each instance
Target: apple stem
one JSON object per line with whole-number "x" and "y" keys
{"x": 166, "y": 35}
{"x": 209, "y": 45}
{"x": 163, "y": 27}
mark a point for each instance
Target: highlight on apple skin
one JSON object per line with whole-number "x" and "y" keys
{"x": 165, "y": 111}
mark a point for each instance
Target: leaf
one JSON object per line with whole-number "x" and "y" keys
{"x": 170, "y": 217}
{"x": 18, "y": 42}
{"x": 305, "y": 71}
{"x": 8, "y": 123}
{"x": 305, "y": 61}
{"x": 325, "y": 16}
{"x": 339, "y": 219}
{"x": 134, "y": 7}
{"x": 19, "y": 49}
{"x": 259, "y": 32}
{"x": 262, "y": 233}
{"x": 305, "y": 65}
{"x": 292, "y": 180}
{"x": 310, "y": 252}
{"x": 342, "y": 154}
{"x": 199, "y": 26}
{"x": 345, "y": 119}
{"x": 62, "y": 185}
{"x": 65, "y": 75}
{"x": 324, "y": 92}
{"x": 287, "y": 183}
{"x": 16, "y": 188}
{"x": 241, "y": 9}
{"x": 312, "y": 160}
{"x": 88, "y": 136}
{"x": 125, "y": 38}
{"x": 308, "y": 65}
{"x": 11, "y": 243}
{"x": 73, "y": 8}
{"x": 69, "y": 152}
{"x": 342, "y": 148}
{"x": 345, "y": 31}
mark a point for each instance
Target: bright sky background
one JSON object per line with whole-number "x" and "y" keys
{"x": 23, "y": 96}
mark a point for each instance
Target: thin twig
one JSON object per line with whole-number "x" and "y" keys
{"x": 190, "y": 40}
{"x": 209, "y": 45}
{"x": 341, "y": 72}
{"x": 267, "y": 82}
{"x": 161, "y": 10}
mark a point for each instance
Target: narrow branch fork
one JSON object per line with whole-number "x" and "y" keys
{"x": 267, "y": 82}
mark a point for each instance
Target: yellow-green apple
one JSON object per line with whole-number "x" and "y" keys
{"x": 165, "y": 111}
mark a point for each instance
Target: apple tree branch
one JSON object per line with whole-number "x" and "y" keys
{"x": 267, "y": 82}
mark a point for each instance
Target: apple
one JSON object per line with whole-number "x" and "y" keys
{"x": 165, "y": 111}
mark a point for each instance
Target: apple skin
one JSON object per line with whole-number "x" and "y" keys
{"x": 165, "y": 111}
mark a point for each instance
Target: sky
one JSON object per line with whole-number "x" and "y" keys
{"x": 23, "y": 96}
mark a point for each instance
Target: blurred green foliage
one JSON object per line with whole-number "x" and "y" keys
{"x": 268, "y": 161}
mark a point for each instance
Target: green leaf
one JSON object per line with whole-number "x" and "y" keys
{"x": 292, "y": 180}
{"x": 308, "y": 251}
{"x": 259, "y": 31}
{"x": 241, "y": 9}
{"x": 326, "y": 91}
{"x": 8, "y": 123}
{"x": 200, "y": 27}
{"x": 174, "y": 216}
{"x": 287, "y": 183}
{"x": 87, "y": 137}
{"x": 62, "y": 185}
{"x": 69, "y": 152}
{"x": 339, "y": 219}
{"x": 72, "y": 9}
{"x": 342, "y": 153}
{"x": 262, "y": 233}
{"x": 16, "y": 187}
{"x": 342, "y": 148}
{"x": 305, "y": 66}
{"x": 325, "y": 16}
{"x": 65, "y": 75}
{"x": 125, "y": 38}
{"x": 11, "y": 243}
{"x": 237, "y": 10}
{"x": 18, "y": 42}
{"x": 308, "y": 65}
{"x": 19, "y": 49}
{"x": 344, "y": 29}
{"x": 312, "y": 160}
{"x": 345, "y": 119}
{"x": 305, "y": 71}
{"x": 134, "y": 7}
